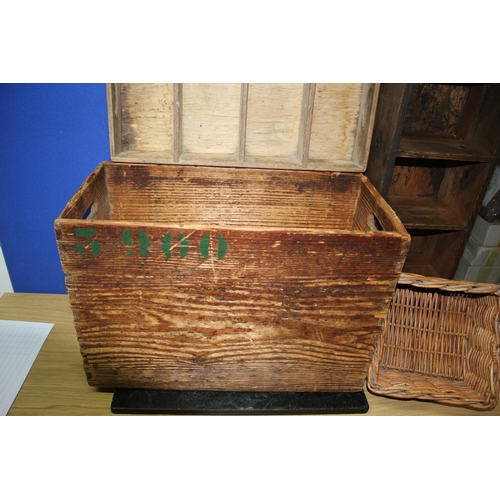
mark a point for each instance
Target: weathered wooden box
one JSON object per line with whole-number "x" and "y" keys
{"x": 215, "y": 277}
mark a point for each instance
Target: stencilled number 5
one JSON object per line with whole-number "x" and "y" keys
{"x": 87, "y": 233}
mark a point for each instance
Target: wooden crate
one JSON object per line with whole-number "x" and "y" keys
{"x": 203, "y": 277}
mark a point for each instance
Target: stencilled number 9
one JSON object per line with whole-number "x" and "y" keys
{"x": 87, "y": 233}
{"x": 144, "y": 242}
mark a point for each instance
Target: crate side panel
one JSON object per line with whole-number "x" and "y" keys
{"x": 92, "y": 198}
{"x": 270, "y": 311}
{"x": 374, "y": 214}
{"x": 233, "y": 197}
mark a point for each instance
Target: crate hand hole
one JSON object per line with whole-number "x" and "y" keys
{"x": 89, "y": 213}
{"x": 374, "y": 223}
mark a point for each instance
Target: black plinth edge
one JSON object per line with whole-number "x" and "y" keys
{"x": 147, "y": 401}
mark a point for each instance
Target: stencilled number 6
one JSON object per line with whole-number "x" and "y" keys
{"x": 87, "y": 233}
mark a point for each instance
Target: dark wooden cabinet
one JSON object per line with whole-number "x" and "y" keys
{"x": 433, "y": 151}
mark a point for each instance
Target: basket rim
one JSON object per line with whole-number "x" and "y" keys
{"x": 388, "y": 380}
{"x": 448, "y": 285}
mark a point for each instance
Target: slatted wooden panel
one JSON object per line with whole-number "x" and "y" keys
{"x": 300, "y": 126}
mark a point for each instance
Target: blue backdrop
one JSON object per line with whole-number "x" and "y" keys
{"x": 51, "y": 138}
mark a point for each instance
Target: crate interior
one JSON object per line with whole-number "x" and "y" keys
{"x": 318, "y": 126}
{"x": 231, "y": 197}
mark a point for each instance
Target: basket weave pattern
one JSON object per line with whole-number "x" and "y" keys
{"x": 441, "y": 343}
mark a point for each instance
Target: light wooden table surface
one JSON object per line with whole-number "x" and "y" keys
{"x": 56, "y": 384}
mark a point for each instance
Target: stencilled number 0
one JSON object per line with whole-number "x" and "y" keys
{"x": 221, "y": 246}
{"x": 166, "y": 245}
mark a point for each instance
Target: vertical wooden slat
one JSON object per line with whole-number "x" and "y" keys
{"x": 177, "y": 121}
{"x": 366, "y": 119}
{"x": 306, "y": 123}
{"x": 388, "y": 126}
{"x": 243, "y": 122}
{"x": 114, "y": 118}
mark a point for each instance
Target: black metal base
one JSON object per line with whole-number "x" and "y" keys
{"x": 145, "y": 401}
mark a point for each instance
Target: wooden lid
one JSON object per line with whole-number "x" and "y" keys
{"x": 323, "y": 126}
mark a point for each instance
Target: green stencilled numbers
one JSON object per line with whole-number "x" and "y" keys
{"x": 144, "y": 242}
{"x": 87, "y": 233}
{"x": 204, "y": 244}
{"x": 130, "y": 238}
{"x": 127, "y": 239}
{"x": 221, "y": 246}
{"x": 166, "y": 245}
{"x": 183, "y": 246}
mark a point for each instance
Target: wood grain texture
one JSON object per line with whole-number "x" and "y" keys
{"x": 442, "y": 148}
{"x": 436, "y": 109}
{"x": 334, "y": 104}
{"x": 211, "y": 119}
{"x": 229, "y": 197}
{"x": 387, "y": 129}
{"x": 273, "y": 120}
{"x": 366, "y": 121}
{"x": 257, "y": 125}
{"x": 243, "y": 122}
{"x": 463, "y": 189}
{"x": 486, "y": 132}
{"x": 113, "y": 97}
{"x": 425, "y": 212}
{"x": 56, "y": 385}
{"x": 306, "y": 123}
{"x": 177, "y": 131}
{"x": 460, "y": 122}
{"x": 147, "y": 117}
{"x": 292, "y": 303}
{"x": 93, "y": 194}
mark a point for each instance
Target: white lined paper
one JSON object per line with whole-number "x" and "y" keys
{"x": 20, "y": 343}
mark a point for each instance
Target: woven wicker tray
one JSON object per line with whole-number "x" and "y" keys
{"x": 441, "y": 343}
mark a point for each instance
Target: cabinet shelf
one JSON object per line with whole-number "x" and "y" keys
{"x": 425, "y": 212}
{"x": 433, "y": 151}
{"x": 441, "y": 148}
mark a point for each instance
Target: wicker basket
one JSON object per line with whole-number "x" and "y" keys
{"x": 441, "y": 343}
